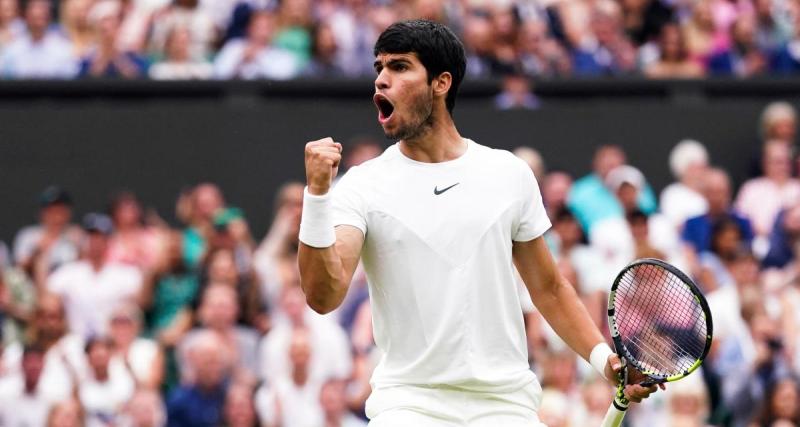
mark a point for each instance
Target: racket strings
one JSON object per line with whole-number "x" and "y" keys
{"x": 659, "y": 319}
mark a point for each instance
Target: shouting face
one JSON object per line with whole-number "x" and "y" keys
{"x": 403, "y": 95}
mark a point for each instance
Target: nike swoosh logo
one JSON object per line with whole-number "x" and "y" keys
{"x": 437, "y": 191}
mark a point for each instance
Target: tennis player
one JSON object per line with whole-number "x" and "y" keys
{"x": 439, "y": 222}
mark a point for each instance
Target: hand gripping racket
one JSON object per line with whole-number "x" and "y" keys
{"x": 660, "y": 324}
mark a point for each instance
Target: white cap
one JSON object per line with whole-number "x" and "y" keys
{"x": 625, "y": 174}
{"x": 685, "y": 154}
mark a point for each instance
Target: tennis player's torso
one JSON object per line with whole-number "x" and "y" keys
{"x": 438, "y": 256}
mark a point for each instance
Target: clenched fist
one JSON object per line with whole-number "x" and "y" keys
{"x": 322, "y": 164}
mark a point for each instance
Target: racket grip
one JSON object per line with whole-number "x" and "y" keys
{"x": 613, "y": 417}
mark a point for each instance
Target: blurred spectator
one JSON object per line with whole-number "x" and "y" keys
{"x": 748, "y": 376}
{"x": 137, "y": 17}
{"x": 324, "y": 50}
{"x": 358, "y": 151}
{"x": 200, "y": 400}
{"x": 293, "y": 400}
{"x": 607, "y": 51}
{"x": 77, "y": 27}
{"x": 178, "y": 63}
{"x": 620, "y": 240}
{"x": 217, "y": 314}
{"x": 683, "y": 199}
{"x": 716, "y": 189}
{"x": 516, "y": 93}
{"x": 106, "y": 59}
{"x": 144, "y": 409}
{"x": 334, "y": 408}
{"x": 743, "y": 58}
{"x": 67, "y": 413}
{"x": 700, "y": 31}
{"x": 202, "y": 203}
{"x": 39, "y": 53}
{"x": 220, "y": 269}
{"x": 539, "y": 54}
{"x": 479, "y": 45}
{"x": 762, "y": 198}
{"x": 726, "y": 244}
{"x": 556, "y": 187}
{"x": 534, "y": 160}
{"x": 256, "y": 57}
{"x": 643, "y": 20}
{"x": 779, "y": 122}
{"x": 40, "y": 249}
{"x": 782, "y": 403}
{"x": 786, "y": 56}
{"x": 232, "y": 233}
{"x": 356, "y": 25}
{"x": 330, "y": 348}
{"x": 167, "y": 294}
{"x": 11, "y": 25}
{"x": 22, "y": 401}
{"x": 591, "y": 200}
{"x": 140, "y": 356}
{"x": 293, "y": 29}
{"x": 64, "y": 351}
{"x": 187, "y": 14}
{"x": 106, "y": 387}
{"x": 784, "y": 239}
{"x": 674, "y": 61}
{"x": 133, "y": 242}
{"x": 275, "y": 261}
{"x": 93, "y": 286}
{"x": 17, "y": 301}
{"x": 239, "y": 410}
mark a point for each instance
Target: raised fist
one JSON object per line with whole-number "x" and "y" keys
{"x": 322, "y": 164}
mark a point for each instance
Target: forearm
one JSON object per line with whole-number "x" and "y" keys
{"x": 563, "y": 310}
{"x": 322, "y": 277}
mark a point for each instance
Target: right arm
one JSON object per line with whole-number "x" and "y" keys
{"x": 326, "y": 272}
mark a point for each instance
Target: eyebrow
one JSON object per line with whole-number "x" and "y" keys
{"x": 393, "y": 61}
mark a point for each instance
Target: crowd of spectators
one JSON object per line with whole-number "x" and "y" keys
{"x": 121, "y": 319}
{"x": 285, "y": 39}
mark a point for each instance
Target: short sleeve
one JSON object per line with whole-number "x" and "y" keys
{"x": 533, "y": 221}
{"x": 348, "y": 205}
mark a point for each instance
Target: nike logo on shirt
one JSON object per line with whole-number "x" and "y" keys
{"x": 437, "y": 192}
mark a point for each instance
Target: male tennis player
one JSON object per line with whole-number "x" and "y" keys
{"x": 437, "y": 220}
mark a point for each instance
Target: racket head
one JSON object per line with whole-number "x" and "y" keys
{"x": 659, "y": 320}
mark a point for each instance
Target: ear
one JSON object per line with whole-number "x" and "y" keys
{"x": 441, "y": 84}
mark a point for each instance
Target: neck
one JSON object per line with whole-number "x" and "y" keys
{"x": 299, "y": 375}
{"x": 97, "y": 263}
{"x": 101, "y": 374}
{"x": 438, "y": 143}
{"x": 30, "y": 386}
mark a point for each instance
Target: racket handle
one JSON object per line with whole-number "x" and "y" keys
{"x": 613, "y": 417}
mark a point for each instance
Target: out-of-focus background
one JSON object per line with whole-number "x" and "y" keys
{"x": 151, "y": 169}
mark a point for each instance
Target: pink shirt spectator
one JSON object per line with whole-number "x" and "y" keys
{"x": 760, "y": 199}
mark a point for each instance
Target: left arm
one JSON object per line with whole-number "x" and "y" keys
{"x": 557, "y": 301}
{"x": 555, "y": 297}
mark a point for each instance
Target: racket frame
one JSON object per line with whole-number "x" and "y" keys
{"x": 622, "y": 350}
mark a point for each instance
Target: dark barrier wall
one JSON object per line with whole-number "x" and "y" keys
{"x": 155, "y": 139}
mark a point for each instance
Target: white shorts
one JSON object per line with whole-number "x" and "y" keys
{"x": 403, "y": 406}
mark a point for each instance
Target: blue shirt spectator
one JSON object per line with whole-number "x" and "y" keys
{"x": 190, "y": 406}
{"x": 591, "y": 201}
{"x": 697, "y": 230}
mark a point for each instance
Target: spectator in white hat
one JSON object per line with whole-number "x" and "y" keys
{"x": 683, "y": 199}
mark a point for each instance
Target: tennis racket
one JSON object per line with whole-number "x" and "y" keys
{"x": 660, "y": 324}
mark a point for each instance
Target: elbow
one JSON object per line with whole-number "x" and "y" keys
{"x": 319, "y": 306}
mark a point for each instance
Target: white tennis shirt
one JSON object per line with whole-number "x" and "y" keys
{"x": 437, "y": 253}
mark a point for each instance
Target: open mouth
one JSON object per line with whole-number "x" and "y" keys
{"x": 385, "y": 107}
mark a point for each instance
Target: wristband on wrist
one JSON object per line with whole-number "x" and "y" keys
{"x": 316, "y": 222}
{"x": 598, "y": 358}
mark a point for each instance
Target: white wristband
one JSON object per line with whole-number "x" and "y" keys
{"x": 316, "y": 222}
{"x": 599, "y": 357}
